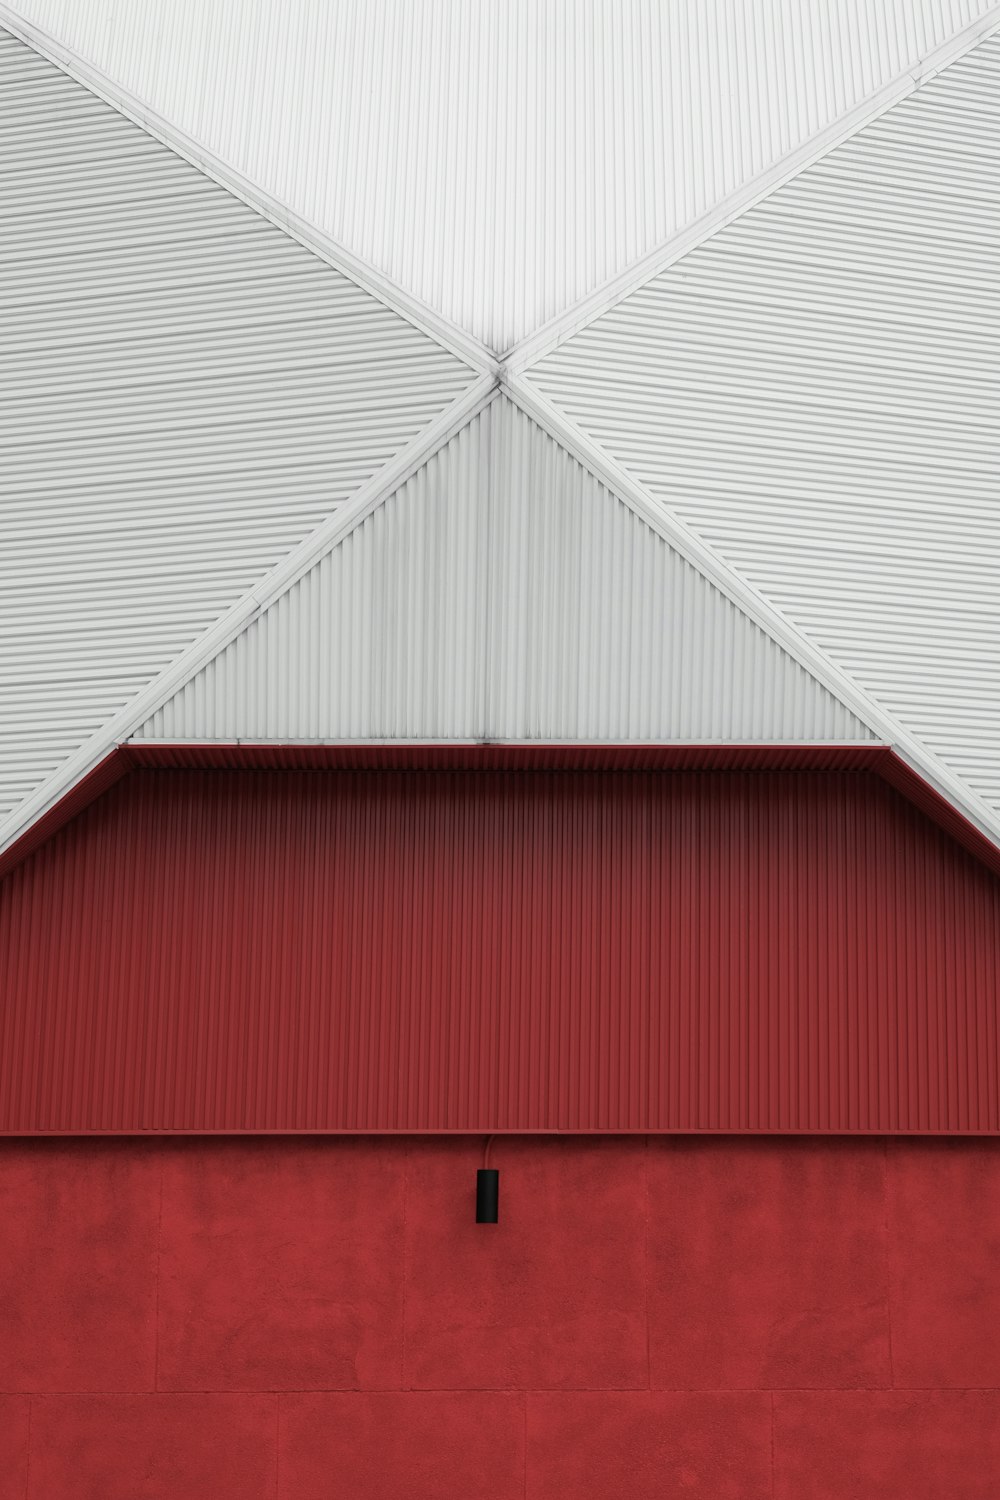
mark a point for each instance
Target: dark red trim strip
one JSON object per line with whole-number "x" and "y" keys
{"x": 103, "y": 776}
{"x": 937, "y": 807}
{"x": 504, "y": 757}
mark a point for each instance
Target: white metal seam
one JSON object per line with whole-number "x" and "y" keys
{"x": 779, "y": 628}
{"x": 350, "y": 514}
{"x": 561, "y": 431}
{"x": 557, "y": 670}
{"x": 487, "y": 703}
{"x": 531, "y": 350}
{"x": 417, "y": 313}
{"x": 687, "y": 743}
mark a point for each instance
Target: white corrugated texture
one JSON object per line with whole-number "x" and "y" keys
{"x": 816, "y": 393}
{"x": 185, "y": 394}
{"x": 503, "y": 592}
{"x": 600, "y": 630}
{"x": 502, "y": 159}
{"x": 383, "y": 637}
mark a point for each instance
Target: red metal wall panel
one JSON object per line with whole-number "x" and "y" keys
{"x": 808, "y": 1319}
{"x": 616, "y": 951}
{"x": 350, "y": 755}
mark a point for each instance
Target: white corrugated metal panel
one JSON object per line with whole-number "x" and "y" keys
{"x": 600, "y": 630}
{"x": 384, "y": 637}
{"x": 501, "y": 160}
{"x": 816, "y": 393}
{"x": 185, "y": 394}
{"x": 505, "y": 593}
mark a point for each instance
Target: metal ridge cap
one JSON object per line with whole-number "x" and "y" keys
{"x": 435, "y": 325}
{"x": 572, "y": 320}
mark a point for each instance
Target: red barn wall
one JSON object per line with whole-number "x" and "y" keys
{"x": 573, "y": 950}
{"x": 793, "y": 1316}
{"x": 299, "y": 1318}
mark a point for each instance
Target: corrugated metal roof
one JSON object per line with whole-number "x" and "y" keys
{"x": 618, "y": 658}
{"x": 186, "y": 395}
{"x": 503, "y": 592}
{"x": 501, "y": 160}
{"x": 815, "y": 391}
{"x": 499, "y": 951}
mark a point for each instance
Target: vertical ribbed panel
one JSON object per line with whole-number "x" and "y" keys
{"x": 185, "y": 394}
{"x": 505, "y": 593}
{"x": 383, "y": 638}
{"x": 815, "y": 391}
{"x": 512, "y": 951}
{"x": 502, "y": 159}
{"x": 600, "y": 630}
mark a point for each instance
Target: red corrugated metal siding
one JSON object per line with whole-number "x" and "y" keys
{"x": 417, "y": 755}
{"x": 481, "y": 756}
{"x": 620, "y": 951}
{"x": 104, "y": 775}
{"x": 351, "y": 756}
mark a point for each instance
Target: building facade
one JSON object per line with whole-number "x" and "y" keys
{"x": 498, "y": 663}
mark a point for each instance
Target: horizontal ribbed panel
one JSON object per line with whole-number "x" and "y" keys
{"x": 502, "y": 159}
{"x": 815, "y": 391}
{"x": 503, "y": 592}
{"x": 185, "y": 395}
{"x": 513, "y": 951}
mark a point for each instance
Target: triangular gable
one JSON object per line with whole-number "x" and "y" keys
{"x": 503, "y": 592}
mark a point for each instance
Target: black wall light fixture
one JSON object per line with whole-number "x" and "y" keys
{"x": 487, "y": 1190}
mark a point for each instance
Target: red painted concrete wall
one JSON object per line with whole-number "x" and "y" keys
{"x": 719, "y": 1319}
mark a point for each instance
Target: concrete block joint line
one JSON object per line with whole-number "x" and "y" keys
{"x": 767, "y": 1327}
